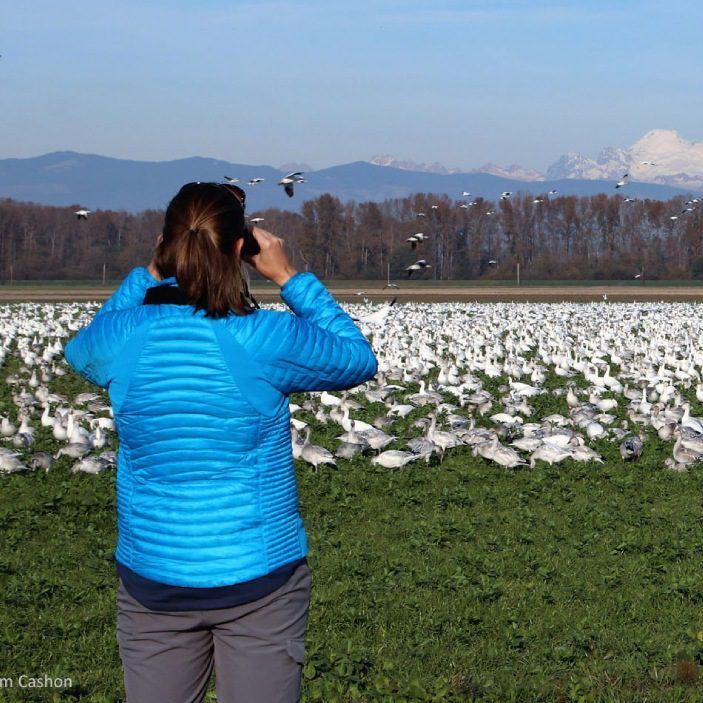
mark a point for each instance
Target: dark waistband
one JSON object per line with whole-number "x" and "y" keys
{"x": 161, "y": 596}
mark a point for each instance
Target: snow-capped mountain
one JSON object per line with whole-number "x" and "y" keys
{"x": 610, "y": 163}
{"x": 513, "y": 171}
{"x": 518, "y": 173}
{"x": 404, "y": 165}
{"x": 660, "y": 156}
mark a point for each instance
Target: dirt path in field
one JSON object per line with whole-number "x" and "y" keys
{"x": 529, "y": 293}
{"x": 349, "y": 293}
{"x": 24, "y": 294}
{"x": 533, "y": 294}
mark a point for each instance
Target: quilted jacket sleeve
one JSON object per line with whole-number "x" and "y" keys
{"x": 318, "y": 347}
{"x": 131, "y": 291}
{"x": 92, "y": 351}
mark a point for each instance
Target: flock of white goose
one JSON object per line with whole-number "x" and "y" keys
{"x": 39, "y": 421}
{"x": 516, "y": 384}
{"x": 620, "y": 373}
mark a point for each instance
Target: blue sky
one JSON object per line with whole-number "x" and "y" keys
{"x": 324, "y": 82}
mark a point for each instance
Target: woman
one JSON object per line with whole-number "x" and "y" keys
{"x": 211, "y": 546}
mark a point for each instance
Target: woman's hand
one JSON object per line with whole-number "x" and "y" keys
{"x": 151, "y": 266}
{"x": 272, "y": 261}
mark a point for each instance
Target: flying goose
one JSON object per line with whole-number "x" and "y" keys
{"x": 416, "y": 239}
{"x": 288, "y": 181}
{"x": 419, "y": 265}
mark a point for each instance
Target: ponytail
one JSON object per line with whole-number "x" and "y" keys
{"x": 201, "y": 226}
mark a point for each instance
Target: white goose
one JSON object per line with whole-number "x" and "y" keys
{"x": 348, "y": 424}
{"x": 443, "y": 439}
{"x": 7, "y": 428}
{"x": 314, "y": 454}
{"x": 500, "y": 454}
{"x": 394, "y": 459}
{"x": 689, "y": 421}
{"x": 550, "y": 453}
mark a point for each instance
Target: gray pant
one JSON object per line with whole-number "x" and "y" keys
{"x": 257, "y": 648}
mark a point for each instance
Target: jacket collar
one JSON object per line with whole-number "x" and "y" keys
{"x": 166, "y": 293}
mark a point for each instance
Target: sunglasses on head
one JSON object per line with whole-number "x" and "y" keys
{"x": 251, "y": 246}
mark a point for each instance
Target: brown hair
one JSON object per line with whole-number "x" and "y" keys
{"x": 201, "y": 225}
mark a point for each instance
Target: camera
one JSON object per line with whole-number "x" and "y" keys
{"x": 251, "y": 246}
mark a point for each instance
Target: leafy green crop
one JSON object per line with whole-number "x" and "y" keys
{"x": 444, "y": 581}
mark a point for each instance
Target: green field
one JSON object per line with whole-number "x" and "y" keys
{"x": 459, "y": 581}
{"x": 453, "y": 581}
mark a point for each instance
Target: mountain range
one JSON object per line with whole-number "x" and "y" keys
{"x": 660, "y": 156}
{"x": 513, "y": 171}
{"x": 98, "y": 182}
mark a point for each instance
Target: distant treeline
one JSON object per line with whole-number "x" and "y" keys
{"x": 550, "y": 237}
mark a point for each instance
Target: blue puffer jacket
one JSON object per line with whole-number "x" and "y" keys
{"x": 206, "y": 489}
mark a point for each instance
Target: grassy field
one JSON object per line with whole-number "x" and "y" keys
{"x": 458, "y": 581}
{"x": 454, "y": 581}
